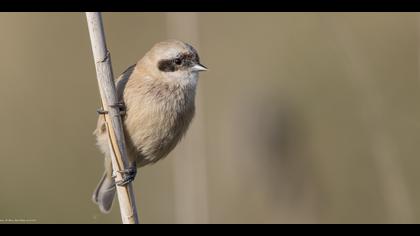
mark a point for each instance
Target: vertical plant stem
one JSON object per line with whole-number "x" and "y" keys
{"x": 113, "y": 121}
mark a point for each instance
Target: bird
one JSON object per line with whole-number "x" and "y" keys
{"x": 158, "y": 97}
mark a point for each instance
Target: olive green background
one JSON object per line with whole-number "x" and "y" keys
{"x": 306, "y": 117}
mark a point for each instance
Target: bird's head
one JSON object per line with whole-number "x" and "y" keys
{"x": 174, "y": 60}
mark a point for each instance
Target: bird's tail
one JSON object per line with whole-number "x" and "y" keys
{"x": 104, "y": 193}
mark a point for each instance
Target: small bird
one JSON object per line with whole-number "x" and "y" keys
{"x": 158, "y": 94}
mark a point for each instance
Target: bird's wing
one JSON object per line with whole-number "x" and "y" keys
{"x": 128, "y": 71}
{"x": 120, "y": 86}
{"x": 122, "y": 81}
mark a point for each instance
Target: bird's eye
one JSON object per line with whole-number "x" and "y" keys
{"x": 178, "y": 61}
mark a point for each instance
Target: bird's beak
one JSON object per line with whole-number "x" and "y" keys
{"x": 199, "y": 67}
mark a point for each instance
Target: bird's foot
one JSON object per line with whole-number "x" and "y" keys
{"x": 128, "y": 176}
{"x": 120, "y": 106}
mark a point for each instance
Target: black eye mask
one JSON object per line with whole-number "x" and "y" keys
{"x": 181, "y": 62}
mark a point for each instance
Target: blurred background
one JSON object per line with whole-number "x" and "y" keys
{"x": 302, "y": 118}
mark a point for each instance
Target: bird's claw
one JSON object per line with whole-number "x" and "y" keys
{"x": 120, "y": 106}
{"x": 128, "y": 176}
{"x": 101, "y": 111}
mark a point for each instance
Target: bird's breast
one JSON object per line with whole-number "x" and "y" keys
{"x": 156, "y": 120}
